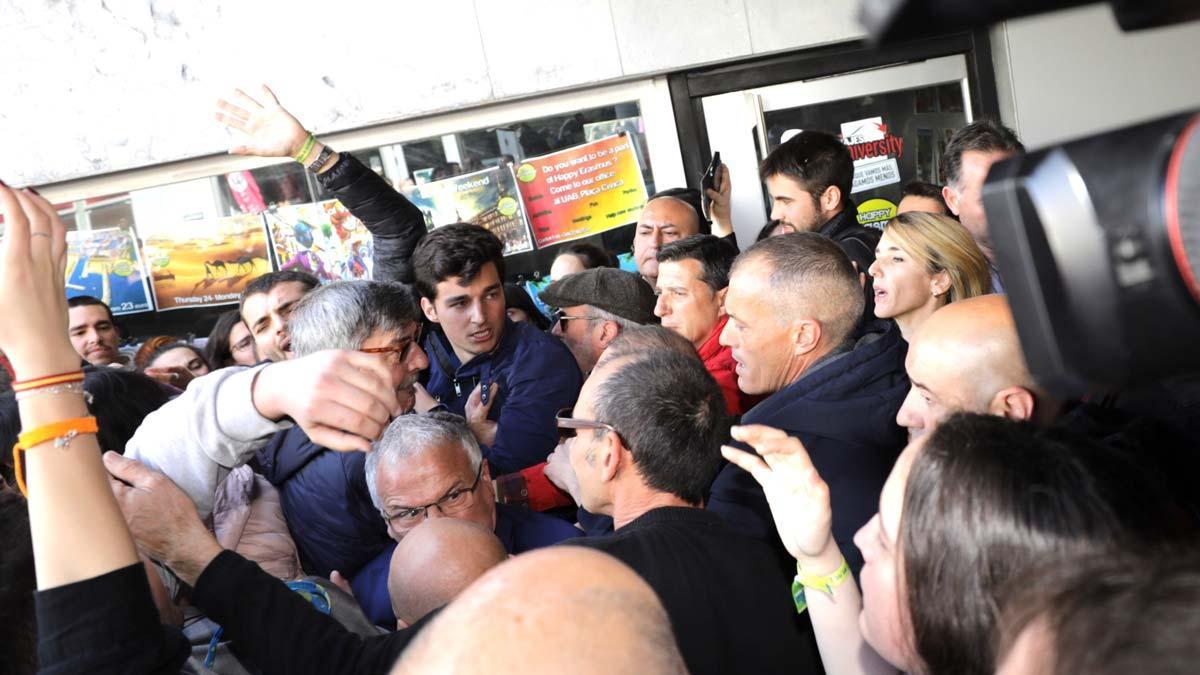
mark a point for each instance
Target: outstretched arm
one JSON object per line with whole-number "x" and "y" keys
{"x": 799, "y": 501}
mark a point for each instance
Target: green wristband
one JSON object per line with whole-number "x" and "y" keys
{"x": 305, "y": 149}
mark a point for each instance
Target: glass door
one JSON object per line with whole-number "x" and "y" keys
{"x": 895, "y": 120}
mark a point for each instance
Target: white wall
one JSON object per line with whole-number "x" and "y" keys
{"x": 94, "y": 87}
{"x": 1074, "y": 73}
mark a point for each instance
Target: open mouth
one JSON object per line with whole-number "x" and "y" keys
{"x": 286, "y": 345}
{"x": 481, "y": 336}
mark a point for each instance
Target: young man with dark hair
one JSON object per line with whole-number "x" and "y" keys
{"x": 693, "y": 276}
{"x": 969, "y": 155}
{"x": 508, "y": 379}
{"x": 924, "y": 197}
{"x": 645, "y": 439}
{"x": 265, "y": 306}
{"x": 92, "y": 330}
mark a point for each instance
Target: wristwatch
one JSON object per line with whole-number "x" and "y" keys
{"x": 322, "y": 157}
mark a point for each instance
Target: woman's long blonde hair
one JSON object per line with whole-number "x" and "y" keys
{"x": 942, "y": 244}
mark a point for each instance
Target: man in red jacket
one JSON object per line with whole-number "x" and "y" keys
{"x": 693, "y": 275}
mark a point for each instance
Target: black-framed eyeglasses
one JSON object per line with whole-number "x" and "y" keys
{"x": 569, "y": 426}
{"x": 397, "y": 353}
{"x": 451, "y": 503}
{"x": 561, "y": 318}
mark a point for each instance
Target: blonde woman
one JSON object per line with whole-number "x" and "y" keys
{"x": 924, "y": 261}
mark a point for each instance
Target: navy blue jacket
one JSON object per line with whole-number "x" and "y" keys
{"x": 518, "y": 529}
{"x": 844, "y": 411}
{"x": 537, "y": 377}
{"x": 326, "y": 502}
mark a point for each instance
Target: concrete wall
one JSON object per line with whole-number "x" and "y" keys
{"x": 94, "y": 86}
{"x": 1074, "y": 73}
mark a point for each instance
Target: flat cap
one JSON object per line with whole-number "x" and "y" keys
{"x": 618, "y": 292}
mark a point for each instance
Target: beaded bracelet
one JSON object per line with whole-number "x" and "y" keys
{"x": 53, "y": 389}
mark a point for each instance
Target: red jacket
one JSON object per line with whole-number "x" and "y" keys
{"x": 531, "y": 486}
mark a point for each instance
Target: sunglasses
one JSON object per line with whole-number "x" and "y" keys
{"x": 561, "y": 318}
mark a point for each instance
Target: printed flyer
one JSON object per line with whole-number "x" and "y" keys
{"x": 106, "y": 264}
{"x": 875, "y": 152}
{"x": 487, "y": 198}
{"x": 201, "y": 263}
{"x": 323, "y": 239}
{"x": 581, "y": 191}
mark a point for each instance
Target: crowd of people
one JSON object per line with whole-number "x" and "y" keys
{"x": 820, "y": 451}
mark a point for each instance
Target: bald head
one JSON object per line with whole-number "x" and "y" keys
{"x": 435, "y": 561}
{"x": 967, "y": 357}
{"x": 580, "y": 611}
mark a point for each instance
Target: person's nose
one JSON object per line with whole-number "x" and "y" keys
{"x": 661, "y": 307}
{"x": 875, "y": 270}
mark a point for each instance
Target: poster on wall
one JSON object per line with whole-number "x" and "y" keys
{"x": 323, "y": 239}
{"x": 487, "y": 198}
{"x": 875, "y": 152}
{"x": 581, "y": 191}
{"x": 106, "y": 264}
{"x": 201, "y": 263}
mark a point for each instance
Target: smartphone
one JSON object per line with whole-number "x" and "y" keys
{"x": 709, "y": 182}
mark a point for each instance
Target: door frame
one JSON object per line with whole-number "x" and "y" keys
{"x": 688, "y": 88}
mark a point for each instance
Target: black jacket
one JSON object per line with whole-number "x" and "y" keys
{"x": 394, "y": 222}
{"x": 859, "y": 242}
{"x": 844, "y": 411}
{"x": 730, "y": 605}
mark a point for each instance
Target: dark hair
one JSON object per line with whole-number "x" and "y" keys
{"x": 713, "y": 253}
{"x": 1111, "y": 613}
{"x": 984, "y": 135}
{"x": 87, "y": 300}
{"x": 18, "y": 583}
{"x": 986, "y": 498}
{"x": 218, "y": 352}
{"x": 515, "y": 297}
{"x": 676, "y": 448}
{"x": 591, "y": 255}
{"x": 121, "y": 399}
{"x": 691, "y": 197}
{"x": 767, "y": 230}
{"x": 810, "y": 274}
{"x": 270, "y": 280}
{"x": 166, "y": 347}
{"x": 458, "y": 250}
{"x": 918, "y": 188}
{"x": 814, "y": 159}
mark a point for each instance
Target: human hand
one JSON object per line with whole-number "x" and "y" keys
{"x": 342, "y": 399}
{"x": 33, "y": 265}
{"x": 719, "y": 212}
{"x": 423, "y": 400}
{"x": 161, "y": 518}
{"x": 799, "y": 498}
{"x": 341, "y": 582}
{"x": 559, "y": 472}
{"x": 175, "y": 376}
{"x": 271, "y": 130}
{"x": 477, "y": 413}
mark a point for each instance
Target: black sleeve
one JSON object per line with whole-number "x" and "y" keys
{"x": 394, "y": 222}
{"x": 107, "y": 624}
{"x": 282, "y": 633}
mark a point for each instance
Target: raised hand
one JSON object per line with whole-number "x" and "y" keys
{"x": 477, "y": 414}
{"x": 560, "y": 472}
{"x": 720, "y": 212}
{"x": 799, "y": 498}
{"x": 175, "y": 376}
{"x": 342, "y": 399}
{"x": 271, "y": 131}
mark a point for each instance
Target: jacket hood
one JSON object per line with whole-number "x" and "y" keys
{"x": 852, "y": 397}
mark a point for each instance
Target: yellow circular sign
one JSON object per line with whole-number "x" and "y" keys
{"x": 507, "y": 206}
{"x": 876, "y": 212}
{"x": 122, "y": 268}
{"x": 526, "y": 173}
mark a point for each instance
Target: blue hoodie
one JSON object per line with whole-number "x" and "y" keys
{"x": 844, "y": 411}
{"x": 537, "y": 376}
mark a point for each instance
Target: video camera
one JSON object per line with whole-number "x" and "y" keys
{"x": 1098, "y": 239}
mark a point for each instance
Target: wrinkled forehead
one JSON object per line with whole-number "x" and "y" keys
{"x": 670, "y": 212}
{"x": 424, "y": 475}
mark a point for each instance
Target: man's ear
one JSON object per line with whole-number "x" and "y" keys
{"x": 609, "y": 330}
{"x": 720, "y": 296}
{"x": 950, "y": 195}
{"x": 429, "y": 309}
{"x": 806, "y": 335}
{"x": 1014, "y": 403}
{"x": 611, "y": 456}
{"x": 831, "y": 198}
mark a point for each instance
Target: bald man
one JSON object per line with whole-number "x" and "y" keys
{"x": 663, "y": 220}
{"x": 967, "y": 358}
{"x": 559, "y": 610}
{"x": 434, "y": 562}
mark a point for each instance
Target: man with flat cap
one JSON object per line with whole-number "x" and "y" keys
{"x": 594, "y": 306}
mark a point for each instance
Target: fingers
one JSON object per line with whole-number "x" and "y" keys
{"x": 369, "y": 373}
{"x": 268, "y": 95}
{"x": 243, "y": 99}
{"x": 753, "y": 464}
{"x": 347, "y": 417}
{"x": 232, "y": 111}
{"x": 16, "y": 226}
{"x": 754, "y": 434}
{"x": 128, "y": 471}
{"x": 338, "y": 440}
{"x": 341, "y": 581}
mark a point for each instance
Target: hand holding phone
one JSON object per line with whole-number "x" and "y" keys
{"x": 709, "y": 182}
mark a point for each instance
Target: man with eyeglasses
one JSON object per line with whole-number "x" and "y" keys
{"x": 355, "y": 360}
{"x": 650, "y": 473}
{"x": 594, "y": 306}
{"x": 431, "y": 466}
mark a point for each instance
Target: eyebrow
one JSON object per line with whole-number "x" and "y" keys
{"x": 454, "y": 486}
{"x": 286, "y": 306}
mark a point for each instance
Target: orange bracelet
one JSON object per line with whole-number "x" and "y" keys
{"x": 62, "y": 433}
{"x": 49, "y": 380}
